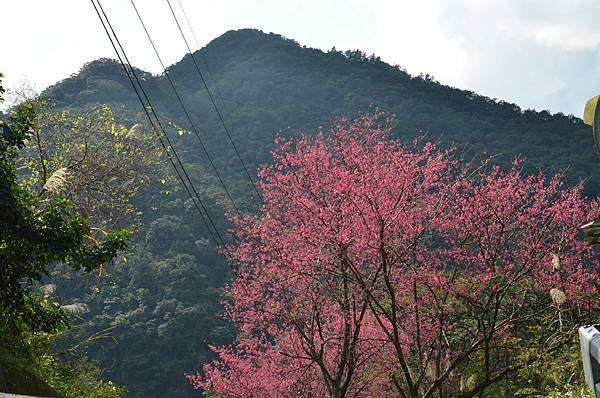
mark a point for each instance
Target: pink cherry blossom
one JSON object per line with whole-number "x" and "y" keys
{"x": 378, "y": 268}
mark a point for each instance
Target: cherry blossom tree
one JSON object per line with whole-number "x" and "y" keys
{"x": 377, "y": 268}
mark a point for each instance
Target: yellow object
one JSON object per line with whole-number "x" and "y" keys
{"x": 589, "y": 113}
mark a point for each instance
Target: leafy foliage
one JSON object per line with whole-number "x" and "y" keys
{"x": 265, "y": 85}
{"x": 36, "y": 233}
{"x": 94, "y": 162}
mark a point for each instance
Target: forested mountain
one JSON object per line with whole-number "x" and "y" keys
{"x": 161, "y": 305}
{"x": 271, "y": 84}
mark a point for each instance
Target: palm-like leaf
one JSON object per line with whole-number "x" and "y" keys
{"x": 57, "y": 181}
{"x": 76, "y": 308}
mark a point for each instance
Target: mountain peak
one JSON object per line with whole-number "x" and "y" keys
{"x": 236, "y": 44}
{"x": 269, "y": 83}
{"x": 241, "y": 37}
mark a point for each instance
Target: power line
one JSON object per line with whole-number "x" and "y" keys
{"x": 131, "y": 72}
{"x": 160, "y": 126}
{"x": 189, "y": 24}
{"x": 210, "y": 96}
{"x": 185, "y": 111}
{"x": 202, "y": 57}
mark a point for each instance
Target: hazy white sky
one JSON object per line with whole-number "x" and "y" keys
{"x": 540, "y": 54}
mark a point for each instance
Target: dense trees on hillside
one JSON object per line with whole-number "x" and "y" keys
{"x": 269, "y": 84}
{"x": 381, "y": 269}
{"x": 158, "y": 306}
{"x": 104, "y": 165}
{"x": 167, "y": 293}
{"x": 37, "y": 230}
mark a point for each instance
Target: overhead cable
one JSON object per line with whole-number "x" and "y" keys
{"x": 157, "y": 127}
{"x": 210, "y": 96}
{"x": 202, "y": 57}
{"x": 185, "y": 111}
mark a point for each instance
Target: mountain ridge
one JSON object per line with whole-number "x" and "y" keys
{"x": 163, "y": 305}
{"x": 268, "y": 83}
{"x": 246, "y": 37}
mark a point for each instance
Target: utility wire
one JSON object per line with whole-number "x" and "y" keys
{"x": 237, "y": 152}
{"x": 131, "y": 72}
{"x": 144, "y": 107}
{"x": 160, "y": 128}
{"x": 189, "y": 24}
{"x": 202, "y": 57}
{"x": 185, "y": 111}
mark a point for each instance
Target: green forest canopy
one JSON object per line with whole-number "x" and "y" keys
{"x": 163, "y": 303}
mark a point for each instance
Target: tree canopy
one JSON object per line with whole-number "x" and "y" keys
{"x": 382, "y": 268}
{"x": 39, "y": 229}
{"x": 265, "y": 85}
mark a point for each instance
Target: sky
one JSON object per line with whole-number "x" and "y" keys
{"x": 538, "y": 54}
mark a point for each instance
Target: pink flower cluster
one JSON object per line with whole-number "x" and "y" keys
{"x": 377, "y": 268}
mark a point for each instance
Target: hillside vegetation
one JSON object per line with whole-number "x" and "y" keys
{"x": 161, "y": 301}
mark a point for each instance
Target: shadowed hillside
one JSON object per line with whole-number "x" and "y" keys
{"x": 265, "y": 83}
{"x": 162, "y": 306}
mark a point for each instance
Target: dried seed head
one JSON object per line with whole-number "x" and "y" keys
{"x": 555, "y": 262}
{"x": 57, "y": 181}
{"x": 558, "y": 296}
{"x": 48, "y": 288}
{"x": 76, "y": 308}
